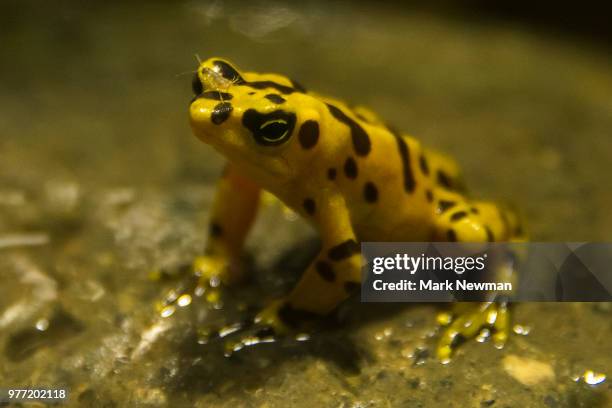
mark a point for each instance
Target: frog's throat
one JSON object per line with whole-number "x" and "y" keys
{"x": 277, "y": 168}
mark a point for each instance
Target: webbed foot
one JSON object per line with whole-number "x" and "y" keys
{"x": 479, "y": 321}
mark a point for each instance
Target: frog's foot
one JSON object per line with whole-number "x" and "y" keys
{"x": 207, "y": 276}
{"x": 278, "y": 320}
{"x": 481, "y": 321}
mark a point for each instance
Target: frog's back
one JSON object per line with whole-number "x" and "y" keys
{"x": 390, "y": 191}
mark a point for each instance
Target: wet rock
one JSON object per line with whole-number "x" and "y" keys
{"x": 47, "y": 331}
{"x": 32, "y": 293}
{"x": 528, "y": 371}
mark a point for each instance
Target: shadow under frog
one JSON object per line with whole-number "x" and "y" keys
{"x": 204, "y": 368}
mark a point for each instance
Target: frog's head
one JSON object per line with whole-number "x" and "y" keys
{"x": 260, "y": 122}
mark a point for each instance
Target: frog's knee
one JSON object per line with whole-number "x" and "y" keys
{"x": 463, "y": 225}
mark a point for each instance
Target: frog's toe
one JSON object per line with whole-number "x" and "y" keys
{"x": 478, "y": 323}
{"x": 205, "y": 279}
{"x": 187, "y": 293}
{"x": 248, "y": 335}
{"x": 214, "y": 271}
{"x": 278, "y": 320}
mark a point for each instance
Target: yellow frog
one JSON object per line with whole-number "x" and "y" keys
{"x": 345, "y": 171}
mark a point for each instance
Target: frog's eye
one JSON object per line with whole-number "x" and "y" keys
{"x": 227, "y": 71}
{"x": 274, "y": 131}
{"x": 196, "y": 85}
{"x": 269, "y": 129}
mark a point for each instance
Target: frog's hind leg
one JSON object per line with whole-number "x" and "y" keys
{"x": 464, "y": 221}
{"x": 473, "y": 221}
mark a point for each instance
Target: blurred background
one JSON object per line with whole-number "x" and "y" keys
{"x": 101, "y": 182}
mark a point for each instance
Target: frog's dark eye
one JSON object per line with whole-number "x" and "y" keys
{"x": 227, "y": 71}
{"x": 274, "y": 131}
{"x": 269, "y": 129}
{"x": 196, "y": 85}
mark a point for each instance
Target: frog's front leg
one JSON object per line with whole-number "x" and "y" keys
{"x": 329, "y": 279}
{"x": 234, "y": 209}
{"x": 233, "y": 212}
{"x": 474, "y": 222}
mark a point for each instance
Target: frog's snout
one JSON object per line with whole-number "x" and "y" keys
{"x": 203, "y": 113}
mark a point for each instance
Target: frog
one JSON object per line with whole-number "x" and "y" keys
{"x": 349, "y": 174}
